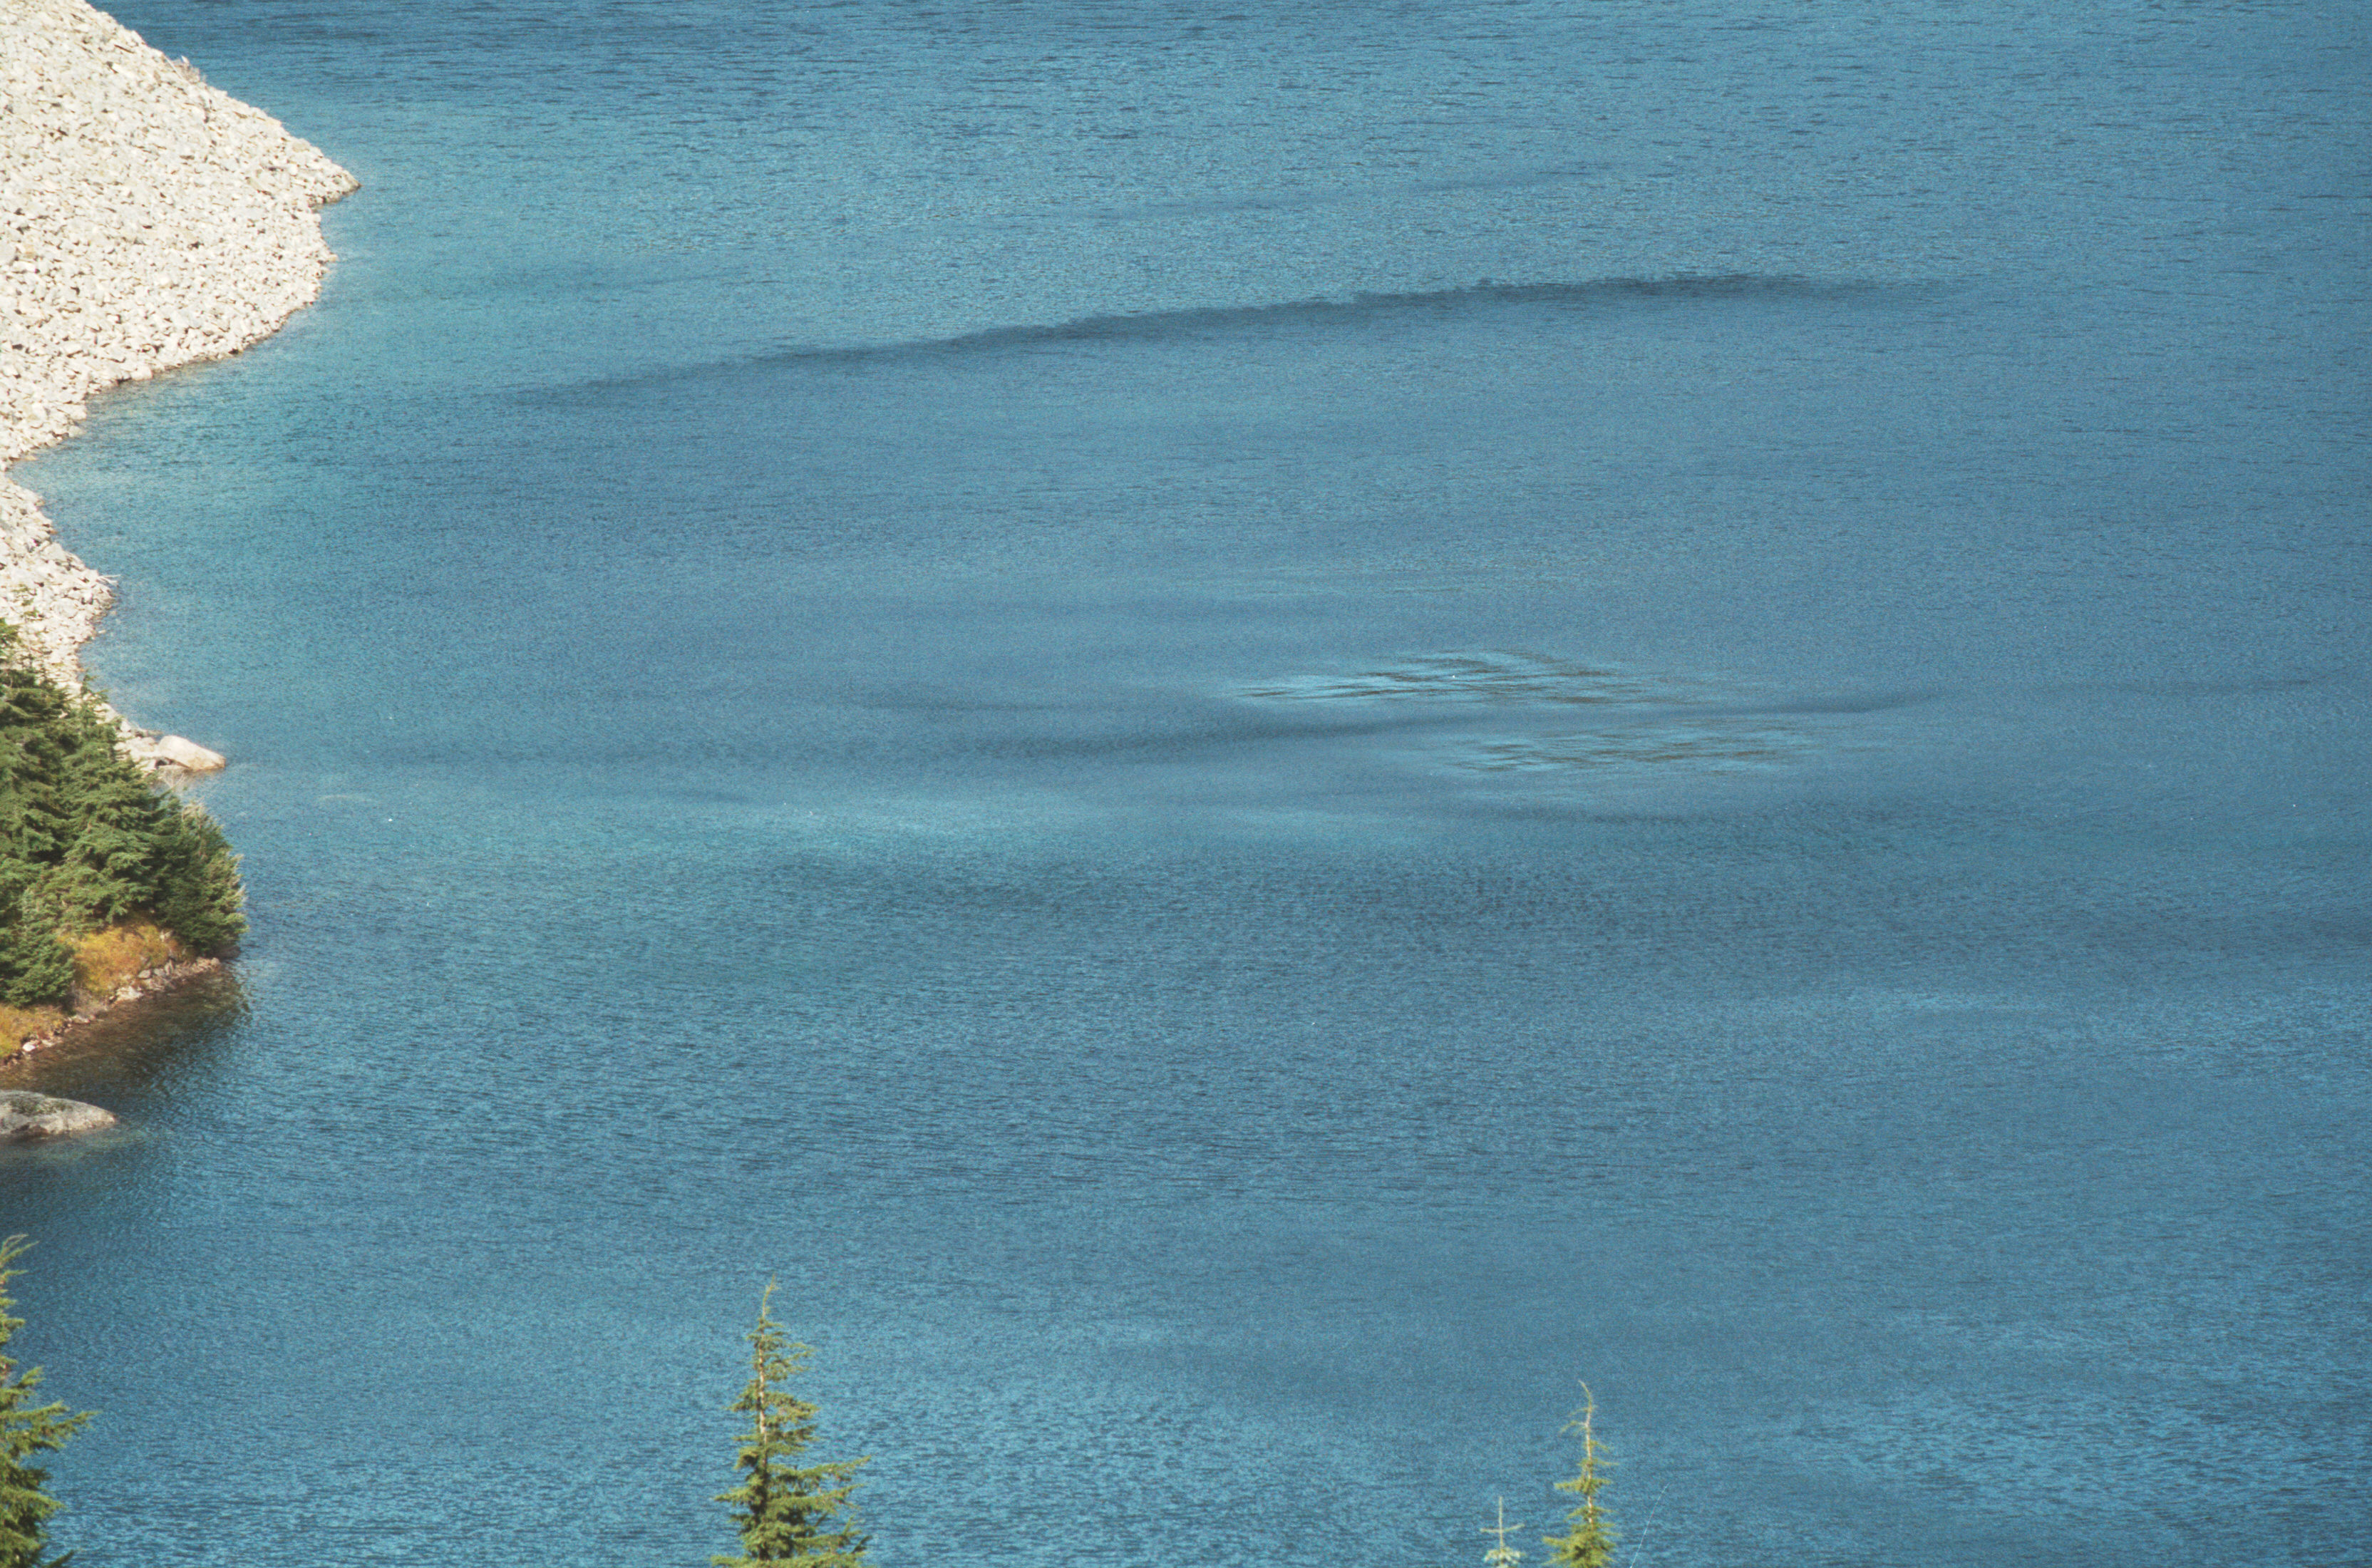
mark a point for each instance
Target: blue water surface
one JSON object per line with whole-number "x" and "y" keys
{"x": 1255, "y": 734}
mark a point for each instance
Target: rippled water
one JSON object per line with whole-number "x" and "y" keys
{"x": 1256, "y": 733}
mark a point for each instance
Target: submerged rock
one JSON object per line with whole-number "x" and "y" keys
{"x": 24, "y": 1113}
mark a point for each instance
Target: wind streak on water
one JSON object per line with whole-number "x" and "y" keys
{"x": 1360, "y": 310}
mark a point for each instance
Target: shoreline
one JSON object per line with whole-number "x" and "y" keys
{"x": 147, "y": 221}
{"x": 169, "y": 975}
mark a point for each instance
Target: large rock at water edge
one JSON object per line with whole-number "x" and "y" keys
{"x": 171, "y": 751}
{"x": 25, "y": 1114}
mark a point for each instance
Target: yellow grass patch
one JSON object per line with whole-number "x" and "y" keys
{"x": 19, "y": 1025}
{"x": 105, "y": 960}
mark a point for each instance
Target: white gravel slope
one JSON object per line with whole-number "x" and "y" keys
{"x": 146, "y": 220}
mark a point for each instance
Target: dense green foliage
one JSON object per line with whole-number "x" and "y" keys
{"x": 26, "y": 1429}
{"x": 1589, "y": 1541}
{"x": 87, "y": 839}
{"x": 786, "y": 1513}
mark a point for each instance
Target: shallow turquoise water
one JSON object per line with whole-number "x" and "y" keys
{"x": 1256, "y": 733}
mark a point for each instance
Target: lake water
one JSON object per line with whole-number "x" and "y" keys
{"x": 1256, "y": 733}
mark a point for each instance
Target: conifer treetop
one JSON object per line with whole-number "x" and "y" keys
{"x": 1589, "y": 1543}
{"x": 1502, "y": 1555}
{"x": 798, "y": 1516}
{"x": 26, "y": 1429}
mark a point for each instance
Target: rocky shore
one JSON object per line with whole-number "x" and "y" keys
{"x": 146, "y": 220}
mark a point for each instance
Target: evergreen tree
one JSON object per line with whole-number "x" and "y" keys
{"x": 88, "y": 840}
{"x": 35, "y": 967}
{"x": 786, "y": 1513}
{"x": 1502, "y": 1555}
{"x": 199, "y": 899}
{"x": 26, "y": 1429}
{"x": 1590, "y": 1542}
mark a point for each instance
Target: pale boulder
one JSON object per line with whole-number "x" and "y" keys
{"x": 27, "y": 1113}
{"x": 172, "y": 751}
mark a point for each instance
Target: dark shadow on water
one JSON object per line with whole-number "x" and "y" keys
{"x": 140, "y": 1047}
{"x": 1209, "y": 323}
{"x": 1157, "y": 326}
